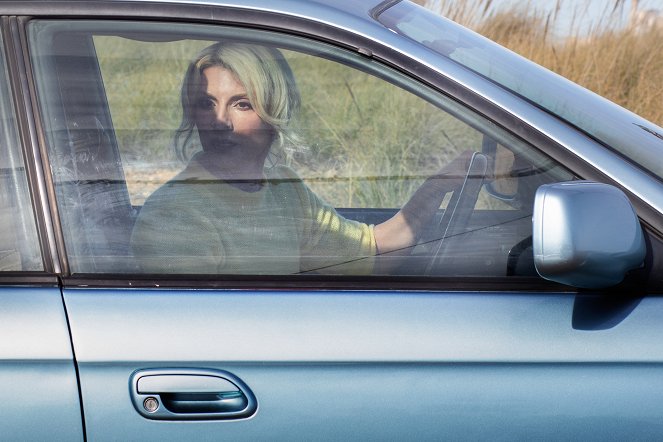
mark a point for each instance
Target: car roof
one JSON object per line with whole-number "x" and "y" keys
{"x": 355, "y": 8}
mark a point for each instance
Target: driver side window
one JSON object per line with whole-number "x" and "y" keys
{"x": 363, "y": 139}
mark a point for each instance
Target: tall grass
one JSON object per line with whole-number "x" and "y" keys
{"x": 621, "y": 62}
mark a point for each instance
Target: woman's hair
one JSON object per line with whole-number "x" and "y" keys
{"x": 263, "y": 71}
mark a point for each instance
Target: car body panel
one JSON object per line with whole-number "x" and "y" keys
{"x": 377, "y": 365}
{"x": 37, "y": 374}
{"x": 409, "y": 401}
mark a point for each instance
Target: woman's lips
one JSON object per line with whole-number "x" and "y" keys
{"x": 218, "y": 142}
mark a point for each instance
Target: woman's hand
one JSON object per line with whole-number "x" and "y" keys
{"x": 451, "y": 176}
{"x": 399, "y": 233}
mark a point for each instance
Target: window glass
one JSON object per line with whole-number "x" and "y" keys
{"x": 19, "y": 246}
{"x": 618, "y": 128}
{"x": 208, "y": 150}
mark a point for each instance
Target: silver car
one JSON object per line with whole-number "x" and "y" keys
{"x": 527, "y": 305}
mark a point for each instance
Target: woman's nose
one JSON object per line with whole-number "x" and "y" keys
{"x": 222, "y": 120}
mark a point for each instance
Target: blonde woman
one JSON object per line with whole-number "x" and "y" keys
{"x": 229, "y": 213}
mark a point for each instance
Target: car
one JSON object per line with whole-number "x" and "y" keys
{"x": 528, "y": 308}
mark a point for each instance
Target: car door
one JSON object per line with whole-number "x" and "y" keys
{"x": 460, "y": 339}
{"x": 38, "y": 380}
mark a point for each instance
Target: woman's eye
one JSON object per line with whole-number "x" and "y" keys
{"x": 206, "y": 104}
{"x": 243, "y": 105}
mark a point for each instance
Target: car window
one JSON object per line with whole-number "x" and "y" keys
{"x": 185, "y": 149}
{"x": 19, "y": 246}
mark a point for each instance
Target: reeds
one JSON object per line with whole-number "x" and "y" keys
{"x": 608, "y": 52}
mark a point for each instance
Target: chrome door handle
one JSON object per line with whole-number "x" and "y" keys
{"x": 191, "y": 394}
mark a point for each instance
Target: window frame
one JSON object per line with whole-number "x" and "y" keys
{"x": 345, "y": 40}
{"x": 21, "y": 105}
{"x": 61, "y": 101}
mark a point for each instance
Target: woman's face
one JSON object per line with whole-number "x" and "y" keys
{"x": 227, "y": 122}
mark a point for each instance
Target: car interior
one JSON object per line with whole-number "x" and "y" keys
{"x": 98, "y": 215}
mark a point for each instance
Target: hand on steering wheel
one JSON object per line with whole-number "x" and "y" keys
{"x": 459, "y": 210}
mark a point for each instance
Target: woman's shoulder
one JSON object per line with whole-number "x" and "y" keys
{"x": 281, "y": 171}
{"x": 288, "y": 183}
{"x": 180, "y": 191}
{"x": 285, "y": 179}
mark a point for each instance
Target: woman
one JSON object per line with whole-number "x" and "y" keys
{"x": 229, "y": 213}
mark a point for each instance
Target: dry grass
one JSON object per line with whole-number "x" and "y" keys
{"x": 620, "y": 62}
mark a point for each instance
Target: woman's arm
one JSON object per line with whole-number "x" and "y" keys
{"x": 400, "y": 232}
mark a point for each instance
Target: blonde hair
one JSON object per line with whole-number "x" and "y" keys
{"x": 262, "y": 70}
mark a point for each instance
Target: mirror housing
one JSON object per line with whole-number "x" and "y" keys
{"x": 585, "y": 234}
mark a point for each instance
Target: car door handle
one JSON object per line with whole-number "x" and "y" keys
{"x": 191, "y": 394}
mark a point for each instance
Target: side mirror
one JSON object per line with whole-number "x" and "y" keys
{"x": 585, "y": 234}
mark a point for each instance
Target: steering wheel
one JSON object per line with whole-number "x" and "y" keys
{"x": 457, "y": 215}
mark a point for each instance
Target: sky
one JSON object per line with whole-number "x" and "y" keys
{"x": 577, "y": 17}
{"x": 589, "y": 11}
